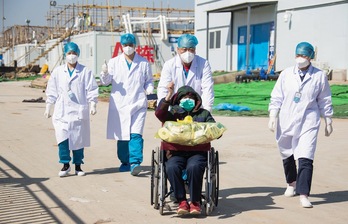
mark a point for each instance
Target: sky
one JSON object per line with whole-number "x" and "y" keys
{"x": 17, "y": 12}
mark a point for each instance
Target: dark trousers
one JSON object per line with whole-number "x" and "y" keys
{"x": 194, "y": 163}
{"x": 303, "y": 176}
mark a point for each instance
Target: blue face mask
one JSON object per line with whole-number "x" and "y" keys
{"x": 187, "y": 103}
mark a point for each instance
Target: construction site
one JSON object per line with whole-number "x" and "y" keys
{"x": 27, "y": 49}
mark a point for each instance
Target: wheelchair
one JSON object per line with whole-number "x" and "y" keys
{"x": 159, "y": 187}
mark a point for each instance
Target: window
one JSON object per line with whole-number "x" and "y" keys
{"x": 215, "y": 39}
{"x": 211, "y": 40}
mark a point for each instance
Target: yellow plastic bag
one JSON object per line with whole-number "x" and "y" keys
{"x": 190, "y": 133}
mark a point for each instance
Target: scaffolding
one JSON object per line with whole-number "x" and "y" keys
{"x": 66, "y": 20}
{"x": 85, "y": 18}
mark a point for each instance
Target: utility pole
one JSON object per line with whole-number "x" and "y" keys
{"x": 28, "y": 35}
{"x": 3, "y": 23}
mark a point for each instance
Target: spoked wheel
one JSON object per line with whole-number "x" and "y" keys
{"x": 163, "y": 184}
{"x": 215, "y": 182}
{"x": 152, "y": 176}
{"x": 208, "y": 202}
{"x": 212, "y": 182}
{"x": 155, "y": 179}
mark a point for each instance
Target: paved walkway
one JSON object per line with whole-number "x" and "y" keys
{"x": 251, "y": 173}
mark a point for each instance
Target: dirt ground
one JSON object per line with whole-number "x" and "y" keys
{"x": 251, "y": 174}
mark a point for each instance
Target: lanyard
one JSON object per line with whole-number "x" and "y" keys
{"x": 298, "y": 94}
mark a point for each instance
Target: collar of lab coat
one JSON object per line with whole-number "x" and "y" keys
{"x": 191, "y": 71}
{"x": 135, "y": 62}
{"x": 77, "y": 70}
{"x": 308, "y": 74}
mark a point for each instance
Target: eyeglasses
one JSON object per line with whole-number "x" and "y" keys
{"x": 184, "y": 49}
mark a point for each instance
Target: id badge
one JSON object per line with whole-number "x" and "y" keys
{"x": 71, "y": 94}
{"x": 297, "y": 97}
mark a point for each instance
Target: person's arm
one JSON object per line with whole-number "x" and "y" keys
{"x": 164, "y": 80}
{"x": 325, "y": 105}
{"x": 51, "y": 93}
{"x": 207, "y": 87}
{"x": 210, "y": 118}
{"x": 106, "y": 73}
{"x": 92, "y": 90}
{"x": 162, "y": 112}
{"x": 276, "y": 102}
{"x": 148, "y": 80}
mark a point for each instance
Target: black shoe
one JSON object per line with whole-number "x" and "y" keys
{"x": 65, "y": 170}
{"x": 79, "y": 171}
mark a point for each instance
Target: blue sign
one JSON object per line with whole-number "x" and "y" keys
{"x": 173, "y": 39}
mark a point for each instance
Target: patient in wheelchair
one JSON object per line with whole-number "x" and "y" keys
{"x": 191, "y": 160}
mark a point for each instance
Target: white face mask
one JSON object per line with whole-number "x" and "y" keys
{"x": 187, "y": 57}
{"x": 71, "y": 59}
{"x": 301, "y": 62}
{"x": 128, "y": 50}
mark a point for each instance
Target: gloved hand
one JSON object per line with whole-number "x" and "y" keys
{"x": 93, "y": 108}
{"x": 271, "y": 123}
{"x": 104, "y": 68}
{"x": 272, "y": 119}
{"x": 328, "y": 126}
{"x": 47, "y": 113}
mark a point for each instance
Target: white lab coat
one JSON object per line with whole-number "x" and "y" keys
{"x": 128, "y": 101}
{"x": 71, "y": 115}
{"x": 298, "y": 123}
{"x": 199, "y": 78}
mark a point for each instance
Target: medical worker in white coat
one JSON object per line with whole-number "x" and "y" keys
{"x": 73, "y": 90}
{"x": 187, "y": 68}
{"x": 131, "y": 78}
{"x": 300, "y": 96}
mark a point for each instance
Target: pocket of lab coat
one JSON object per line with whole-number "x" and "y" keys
{"x": 83, "y": 113}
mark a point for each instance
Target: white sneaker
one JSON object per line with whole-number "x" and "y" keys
{"x": 305, "y": 202}
{"x": 64, "y": 173}
{"x": 80, "y": 173}
{"x": 290, "y": 191}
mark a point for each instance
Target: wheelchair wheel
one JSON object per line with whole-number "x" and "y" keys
{"x": 154, "y": 178}
{"x": 212, "y": 182}
{"x": 163, "y": 183}
{"x": 215, "y": 181}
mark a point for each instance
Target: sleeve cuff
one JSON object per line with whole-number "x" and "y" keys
{"x": 273, "y": 113}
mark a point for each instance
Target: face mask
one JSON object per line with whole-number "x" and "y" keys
{"x": 301, "y": 62}
{"x": 71, "y": 59}
{"x": 128, "y": 50}
{"x": 187, "y": 57}
{"x": 187, "y": 103}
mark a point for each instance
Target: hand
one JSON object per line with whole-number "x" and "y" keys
{"x": 47, "y": 113}
{"x": 328, "y": 127}
{"x": 328, "y": 130}
{"x": 93, "y": 108}
{"x": 170, "y": 88}
{"x": 271, "y": 123}
{"x": 105, "y": 68}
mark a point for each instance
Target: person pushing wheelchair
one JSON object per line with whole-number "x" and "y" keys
{"x": 184, "y": 158}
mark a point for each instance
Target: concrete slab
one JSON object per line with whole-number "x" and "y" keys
{"x": 251, "y": 173}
